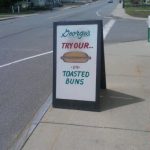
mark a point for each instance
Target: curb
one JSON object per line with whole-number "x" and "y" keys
{"x": 19, "y": 16}
{"x": 27, "y": 132}
{"x": 7, "y": 18}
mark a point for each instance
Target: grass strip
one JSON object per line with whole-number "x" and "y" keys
{"x": 142, "y": 12}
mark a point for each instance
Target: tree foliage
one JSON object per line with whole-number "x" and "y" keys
{"x": 7, "y": 3}
{"x": 135, "y": 1}
{"x": 138, "y": 1}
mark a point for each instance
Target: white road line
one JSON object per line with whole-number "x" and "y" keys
{"x": 69, "y": 7}
{"x": 86, "y": 4}
{"x": 57, "y": 16}
{"x": 107, "y": 27}
{"x": 98, "y": 13}
{"x": 66, "y": 8}
{"x": 24, "y": 59}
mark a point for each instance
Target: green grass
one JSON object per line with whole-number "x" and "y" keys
{"x": 142, "y": 12}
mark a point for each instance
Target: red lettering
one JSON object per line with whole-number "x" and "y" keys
{"x": 71, "y": 44}
{"x": 79, "y": 45}
{"x": 75, "y": 45}
{"x": 86, "y": 45}
{"x": 63, "y": 45}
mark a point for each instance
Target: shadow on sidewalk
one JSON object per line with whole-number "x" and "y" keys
{"x": 113, "y": 99}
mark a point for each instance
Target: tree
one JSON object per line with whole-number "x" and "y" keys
{"x": 135, "y": 1}
{"x": 5, "y": 4}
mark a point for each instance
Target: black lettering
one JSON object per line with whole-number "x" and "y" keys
{"x": 87, "y": 74}
{"x": 67, "y": 81}
{"x": 81, "y": 81}
{"x": 65, "y": 33}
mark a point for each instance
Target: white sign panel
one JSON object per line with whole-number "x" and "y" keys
{"x": 76, "y": 60}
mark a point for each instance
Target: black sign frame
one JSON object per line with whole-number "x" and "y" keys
{"x": 100, "y": 70}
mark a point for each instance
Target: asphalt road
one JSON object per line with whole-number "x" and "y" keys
{"x": 127, "y": 30}
{"x": 26, "y": 85}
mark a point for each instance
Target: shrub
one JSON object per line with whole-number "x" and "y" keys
{"x": 135, "y": 2}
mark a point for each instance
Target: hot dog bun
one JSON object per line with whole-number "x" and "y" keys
{"x": 75, "y": 57}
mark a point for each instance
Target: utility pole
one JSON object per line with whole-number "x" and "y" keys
{"x": 12, "y": 8}
{"x": 18, "y": 8}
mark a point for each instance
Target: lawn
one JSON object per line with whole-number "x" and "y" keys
{"x": 139, "y": 11}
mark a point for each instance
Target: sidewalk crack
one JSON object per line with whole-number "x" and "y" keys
{"x": 96, "y": 127}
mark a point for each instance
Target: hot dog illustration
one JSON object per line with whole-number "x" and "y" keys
{"x": 75, "y": 57}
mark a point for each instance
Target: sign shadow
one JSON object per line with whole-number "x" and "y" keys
{"x": 112, "y": 99}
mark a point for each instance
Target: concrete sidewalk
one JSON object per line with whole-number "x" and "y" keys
{"x": 124, "y": 120}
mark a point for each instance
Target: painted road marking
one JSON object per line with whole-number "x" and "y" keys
{"x": 53, "y": 17}
{"x": 107, "y": 27}
{"x": 69, "y": 7}
{"x": 98, "y": 13}
{"x": 24, "y": 59}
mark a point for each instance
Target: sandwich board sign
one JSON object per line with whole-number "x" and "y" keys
{"x": 78, "y": 64}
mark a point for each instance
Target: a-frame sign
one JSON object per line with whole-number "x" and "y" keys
{"x": 78, "y": 64}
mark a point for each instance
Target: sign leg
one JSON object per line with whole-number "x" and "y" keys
{"x": 103, "y": 74}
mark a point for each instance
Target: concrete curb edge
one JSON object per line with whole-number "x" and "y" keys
{"x": 24, "y": 136}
